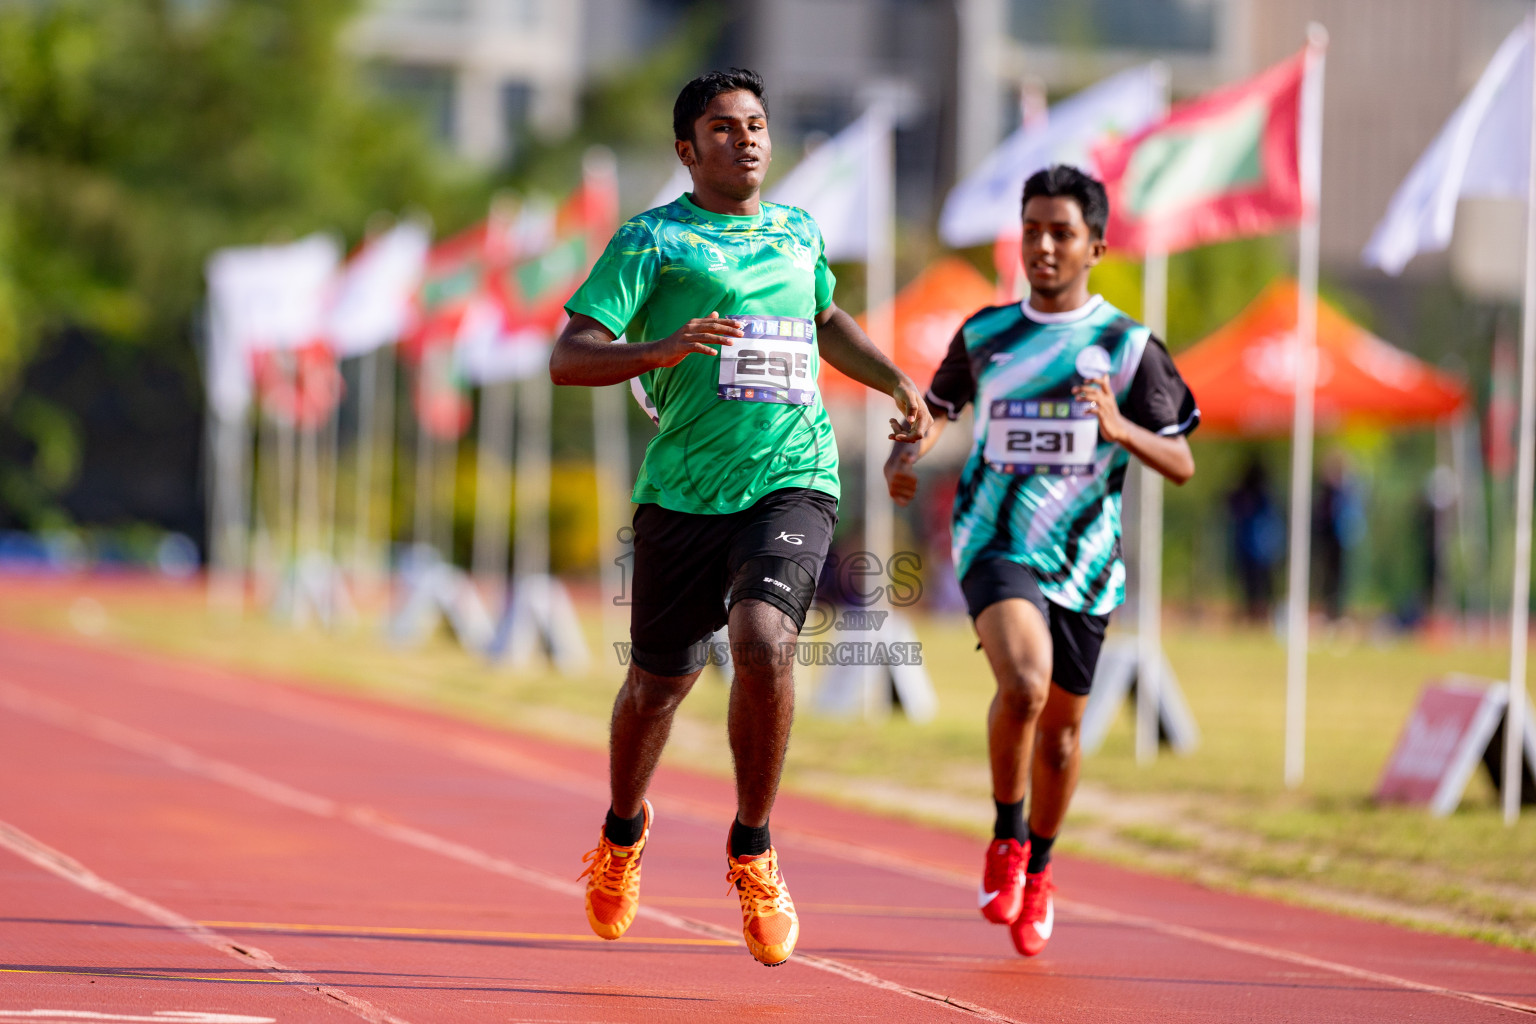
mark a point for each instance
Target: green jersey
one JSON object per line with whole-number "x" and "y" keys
{"x": 737, "y": 425}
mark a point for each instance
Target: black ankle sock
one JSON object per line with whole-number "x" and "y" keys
{"x": 1039, "y": 852}
{"x": 624, "y": 831}
{"x": 747, "y": 841}
{"x": 1010, "y": 821}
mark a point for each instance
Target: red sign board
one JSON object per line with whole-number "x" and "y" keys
{"x": 1444, "y": 741}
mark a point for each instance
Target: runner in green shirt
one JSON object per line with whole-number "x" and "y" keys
{"x": 726, "y": 304}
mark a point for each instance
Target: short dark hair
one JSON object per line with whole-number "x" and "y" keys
{"x": 1067, "y": 182}
{"x": 694, "y": 99}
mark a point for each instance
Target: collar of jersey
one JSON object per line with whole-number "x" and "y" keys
{"x": 1071, "y": 316}
{"x": 748, "y": 219}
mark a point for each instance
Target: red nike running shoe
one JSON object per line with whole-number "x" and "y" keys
{"x": 1002, "y": 881}
{"x": 1031, "y": 930}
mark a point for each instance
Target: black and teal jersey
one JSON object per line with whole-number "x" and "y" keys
{"x": 1041, "y": 488}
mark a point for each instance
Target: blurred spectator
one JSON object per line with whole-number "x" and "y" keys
{"x": 1258, "y": 539}
{"x": 1337, "y": 524}
{"x": 1436, "y": 501}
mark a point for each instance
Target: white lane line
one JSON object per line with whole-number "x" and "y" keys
{"x": 1255, "y": 949}
{"x": 240, "y": 691}
{"x": 71, "y": 870}
{"x": 23, "y": 701}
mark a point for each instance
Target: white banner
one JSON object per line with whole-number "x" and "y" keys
{"x": 987, "y": 202}
{"x": 371, "y": 305}
{"x": 1483, "y": 150}
{"x": 833, "y": 184}
{"x": 259, "y": 298}
{"x": 680, "y": 181}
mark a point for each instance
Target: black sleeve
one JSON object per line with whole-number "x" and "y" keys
{"x": 953, "y": 383}
{"x": 1159, "y": 399}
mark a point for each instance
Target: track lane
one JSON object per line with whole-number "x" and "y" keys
{"x": 476, "y": 765}
{"x": 186, "y": 838}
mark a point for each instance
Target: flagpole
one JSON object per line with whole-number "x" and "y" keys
{"x": 1149, "y": 603}
{"x": 384, "y": 444}
{"x": 329, "y": 497}
{"x": 530, "y": 557}
{"x": 879, "y": 525}
{"x": 492, "y": 491}
{"x": 363, "y": 455}
{"x": 610, "y": 436}
{"x": 287, "y": 537}
{"x": 1520, "y": 605}
{"x": 421, "y": 523}
{"x": 1310, "y": 156}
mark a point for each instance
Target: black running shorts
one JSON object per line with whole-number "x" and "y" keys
{"x": 1075, "y": 636}
{"x": 691, "y": 567}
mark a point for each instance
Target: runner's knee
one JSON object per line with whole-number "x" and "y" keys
{"x": 648, "y": 694}
{"x": 1023, "y": 689}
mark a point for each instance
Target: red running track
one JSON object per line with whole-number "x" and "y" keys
{"x": 238, "y": 850}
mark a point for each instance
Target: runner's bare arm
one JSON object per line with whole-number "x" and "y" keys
{"x": 1169, "y": 456}
{"x": 585, "y": 353}
{"x": 847, "y": 348}
{"x": 900, "y": 477}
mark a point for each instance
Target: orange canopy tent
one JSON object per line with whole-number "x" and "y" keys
{"x": 1244, "y": 375}
{"x": 928, "y": 312}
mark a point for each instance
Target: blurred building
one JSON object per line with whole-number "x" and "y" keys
{"x": 481, "y": 70}
{"x": 486, "y": 71}
{"x": 824, "y": 59}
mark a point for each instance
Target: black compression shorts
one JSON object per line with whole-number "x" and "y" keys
{"x": 1075, "y": 636}
{"x": 691, "y": 567}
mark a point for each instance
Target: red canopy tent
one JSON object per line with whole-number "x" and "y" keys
{"x": 928, "y": 312}
{"x": 1244, "y": 375}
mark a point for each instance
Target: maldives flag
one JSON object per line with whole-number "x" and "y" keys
{"x": 1222, "y": 166}
{"x": 452, "y": 289}
{"x": 532, "y": 286}
{"x": 454, "y": 277}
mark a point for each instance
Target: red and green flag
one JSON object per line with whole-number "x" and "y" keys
{"x": 452, "y": 285}
{"x": 1222, "y": 166}
{"x": 532, "y": 287}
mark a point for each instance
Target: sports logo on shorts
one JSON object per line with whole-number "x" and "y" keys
{"x": 792, "y": 538}
{"x": 1092, "y": 363}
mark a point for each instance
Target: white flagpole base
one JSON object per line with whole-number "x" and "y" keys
{"x": 540, "y": 619}
{"x": 434, "y": 590}
{"x": 882, "y": 676}
{"x": 1116, "y": 681}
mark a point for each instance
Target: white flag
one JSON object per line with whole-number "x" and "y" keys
{"x": 986, "y": 203}
{"x": 263, "y": 297}
{"x": 372, "y": 301}
{"x": 486, "y": 352}
{"x": 1483, "y": 151}
{"x": 680, "y": 182}
{"x": 833, "y": 184}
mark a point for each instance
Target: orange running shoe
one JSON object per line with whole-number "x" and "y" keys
{"x": 1032, "y": 930}
{"x": 1001, "y": 892}
{"x": 768, "y": 918}
{"x": 613, "y": 883}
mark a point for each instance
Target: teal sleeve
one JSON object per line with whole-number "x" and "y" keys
{"x": 621, "y": 280}
{"x": 826, "y": 283}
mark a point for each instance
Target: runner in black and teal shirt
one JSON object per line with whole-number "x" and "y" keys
{"x": 1066, "y": 389}
{"x": 725, "y": 302}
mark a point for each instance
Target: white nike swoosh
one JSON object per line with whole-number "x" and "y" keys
{"x": 1043, "y": 928}
{"x": 983, "y": 897}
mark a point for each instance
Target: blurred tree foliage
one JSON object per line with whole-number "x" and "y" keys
{"x": 137, "y": 136}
